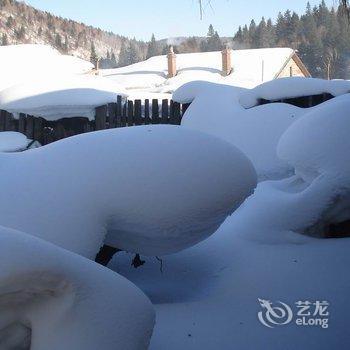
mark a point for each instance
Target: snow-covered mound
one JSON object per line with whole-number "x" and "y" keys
{"x": 152, "y": 189}
{"x": 53, "y": 299}
{"x": 151, "y": 74}
{"x": 60, "y": 96}
{"x": 293, "y": 87}
{"x": 317, "y": 146}
{"x": 11, "y": 141}
{"x": 215, "y": 109}
{"x": 21, "y": 62}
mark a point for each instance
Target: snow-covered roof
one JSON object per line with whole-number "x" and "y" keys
{"x": 20, "y": 62}
{"x": 60, "y": 96}
{"x": 250, "y": 68}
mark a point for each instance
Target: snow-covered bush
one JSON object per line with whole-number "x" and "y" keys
{"x": 53, "y": 299}
{"x": 151, "y": 189}
{"x": 215, "y": 109}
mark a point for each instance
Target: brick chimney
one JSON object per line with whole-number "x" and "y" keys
{"x": 171, "y": 63}
{"x": 226, "y": 61}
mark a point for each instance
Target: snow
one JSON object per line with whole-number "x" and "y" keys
{"x": 21, "y": 62}
{"x": 152, "y": 190}
{"x": 60, "y": 96}
{"x": 207, "y": 297}
{"x": 53, "y": 299}
{"x": 215, "y": 109}
{"x": 151, "y": 75}
{"x": 11, "y": 141}
{"x": 317, "y": 147}
{"x": 293, "y": 87}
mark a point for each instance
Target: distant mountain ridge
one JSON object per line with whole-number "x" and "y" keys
{"x": 21, "y": 23}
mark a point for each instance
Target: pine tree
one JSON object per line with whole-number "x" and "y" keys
{"x": 213, "y": 41}
{"x": 153, "y": 48}
{"x": 4, "y": 40}
{"x": 93, "y": 54}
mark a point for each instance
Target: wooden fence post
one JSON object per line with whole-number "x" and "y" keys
{"x": 101, "y": 117}
{"x": 22, "y": 123}
{"x": 119, "y": 112}
{"x": 112, "y": 115}
{"x": 38, "y": 130}
{"x": 147, "y": 119}
{"x": 155, "y": 111}
{"x": 177, "y": 113}
{"x": 138, "y": 111}
{"x": 124, "y": 114}
{"x": 130, "y": 113}
{"x": 30, "y": 127}
{"x": 165, "y": 111}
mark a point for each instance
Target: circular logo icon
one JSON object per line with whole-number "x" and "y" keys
{"x": 274, "y": 315}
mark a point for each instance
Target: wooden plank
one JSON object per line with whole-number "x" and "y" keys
{"x": 130, "y": 113}
{"x": 9, "y": 122}
{"x": 2, "y": 120}
{"x": 177, "y": 113}
{"x": 30, "y": 127}
{"x": 112, "y": 115}
{"x": 185, "y": 107}
{"x": 59, "y": 131}
{"x": 119, "y": 112}
{"x": 38, "y": 132}
{"x": 101, "y": 117}
{"x": 124, "y": 114}
{"x": 137, "y": 112}
{"x": 155, "y": 112}
{"x": 22, "y": 123}
{"x": 171, "y": 112}
{"x": 147, "y": 119}
{"x": 165, "y": 111}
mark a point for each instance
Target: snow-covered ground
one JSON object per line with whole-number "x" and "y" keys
{"x": 207, "y": 297}
{"x": 231, "y": 253}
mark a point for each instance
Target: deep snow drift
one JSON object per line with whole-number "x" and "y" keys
{"x": 317, "y": 146}
{"x": 53, "y": 299}
{"x": 152, "y": 189}
{"x": 60, "y": 96}
{"x": 208, "y": 296}
{"x": 215, "y": 110}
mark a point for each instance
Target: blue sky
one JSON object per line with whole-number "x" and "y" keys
{"x": 168, "y": 18}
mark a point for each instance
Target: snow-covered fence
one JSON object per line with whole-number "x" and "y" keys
{"x": 301, "y": 101}
{"x": 113, "y": 115}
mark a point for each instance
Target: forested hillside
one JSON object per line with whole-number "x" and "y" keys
{"x": 21, "y": 23}
{"x": 321, "y": 35}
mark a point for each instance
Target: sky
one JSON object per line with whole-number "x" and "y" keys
{"x": 168, "y": 18}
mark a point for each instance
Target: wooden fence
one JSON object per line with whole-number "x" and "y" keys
{"x": 114, "y": 115}
{"x": 301, "y": 101}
